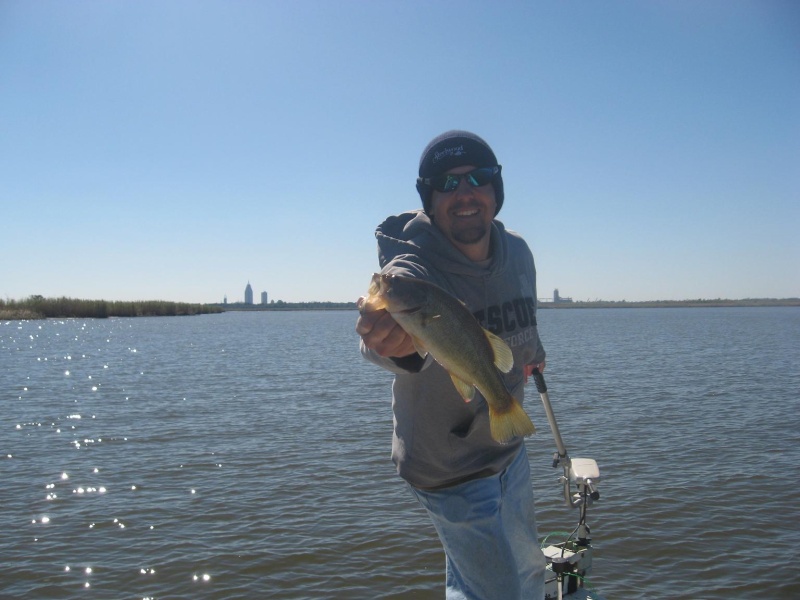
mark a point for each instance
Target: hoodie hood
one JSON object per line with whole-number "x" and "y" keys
{"x": 413, "y": 234}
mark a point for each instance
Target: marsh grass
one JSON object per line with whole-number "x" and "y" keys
{"x": 38, "y": 307}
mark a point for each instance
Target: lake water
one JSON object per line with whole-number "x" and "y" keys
{"x": 246, "y": 455}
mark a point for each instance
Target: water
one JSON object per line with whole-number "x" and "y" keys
{"x": 246, "y": 455}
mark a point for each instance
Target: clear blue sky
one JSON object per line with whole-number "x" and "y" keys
{"x": 177, "y": 150}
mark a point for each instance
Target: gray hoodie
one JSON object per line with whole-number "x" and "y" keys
{"x": 440, "y": 440}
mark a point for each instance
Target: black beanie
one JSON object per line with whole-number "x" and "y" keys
{"x": 452, "y": 149}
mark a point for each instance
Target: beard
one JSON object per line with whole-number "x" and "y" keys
{"x": 471, "y": 234}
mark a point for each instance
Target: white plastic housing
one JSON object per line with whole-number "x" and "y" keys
{"x": 583, "y": 469}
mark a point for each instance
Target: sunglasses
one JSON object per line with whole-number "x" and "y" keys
{"x": 450, "y": 183}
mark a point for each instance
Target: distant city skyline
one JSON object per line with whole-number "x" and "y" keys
{"x": 248, "y": 296}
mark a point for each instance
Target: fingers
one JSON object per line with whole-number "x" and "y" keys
{"x": 528, "y": 369}
{"x": 398, "y": 343}
{"x": 363, "y": 305}
{"x": 367, "y": 320}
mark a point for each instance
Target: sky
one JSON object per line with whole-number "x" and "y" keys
{"x": 178, "y": 150}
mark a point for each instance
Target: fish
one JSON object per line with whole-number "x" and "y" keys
{"x": 441, "y": 325}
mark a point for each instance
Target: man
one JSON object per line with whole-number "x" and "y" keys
{"x": 476, "y": 490}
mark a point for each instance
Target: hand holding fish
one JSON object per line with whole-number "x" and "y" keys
{"x": 381, "y": 332}
{"x": 438, "y": 324}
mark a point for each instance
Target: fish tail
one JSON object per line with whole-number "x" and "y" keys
{"x": 509, "y": 422}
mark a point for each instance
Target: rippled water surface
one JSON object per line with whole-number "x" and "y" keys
{"x": 246, "y": 455}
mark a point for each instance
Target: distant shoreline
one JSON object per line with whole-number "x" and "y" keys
{"x": 37, "y": 307}
{"x": 747, "y": 302}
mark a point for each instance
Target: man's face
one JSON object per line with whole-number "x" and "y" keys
{"x": 465, "y": 215}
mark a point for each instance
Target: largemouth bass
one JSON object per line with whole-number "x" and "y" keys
{"x": 441, "y": 325}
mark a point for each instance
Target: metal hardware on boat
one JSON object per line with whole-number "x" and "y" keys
{"x": 570, "y": 561}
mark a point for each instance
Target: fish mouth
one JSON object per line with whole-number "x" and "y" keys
{"x": 386, "y": 288}
{"x": 386, "y": 281}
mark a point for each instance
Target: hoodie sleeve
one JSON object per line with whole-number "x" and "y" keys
{"x": 399, "y": 366}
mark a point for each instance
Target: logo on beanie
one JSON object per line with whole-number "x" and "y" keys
{"x": 448, "y": 152}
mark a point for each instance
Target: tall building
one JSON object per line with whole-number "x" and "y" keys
{"x": 263, "y": 297}
{"x": 248, "y": 294}
{"x": 559, "y": 298}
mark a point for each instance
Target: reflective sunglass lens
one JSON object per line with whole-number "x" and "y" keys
{"x": 475, "y": 178}
{"x": 445, "y": 183}
{"x": 451, "y": 183}
{"x": 480, "y": 177}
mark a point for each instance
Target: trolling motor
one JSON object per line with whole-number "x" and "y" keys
{"x": 570, "y": 561}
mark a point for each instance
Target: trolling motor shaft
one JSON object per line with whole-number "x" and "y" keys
{"x": 583, "y": 472}
{"x": 570, "y": 561}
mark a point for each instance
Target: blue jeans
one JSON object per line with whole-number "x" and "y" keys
{"x": 488, "y": 530}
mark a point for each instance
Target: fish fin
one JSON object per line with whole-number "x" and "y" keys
{"x": 465, "y": 390}
{"x": 503, "y": 357}
{"x": 510, "y": 422}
